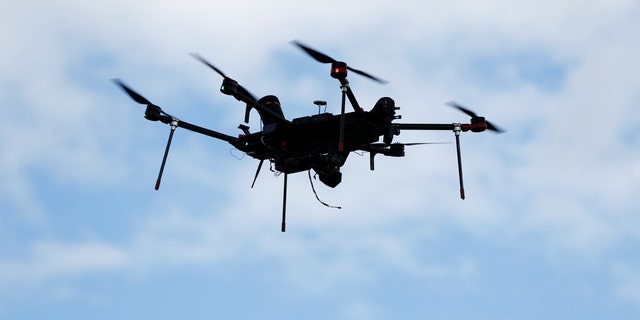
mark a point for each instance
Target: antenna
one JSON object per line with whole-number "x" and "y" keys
{"x": 320, "y": 104}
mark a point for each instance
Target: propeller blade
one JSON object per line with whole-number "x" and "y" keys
{"x": 364, "y": 74}
{"x": 218, "y": 71}
{"x": 473, "y": 115}
{"x": 203, "y": 60}
{"x": 153, "y": 111}
{"x": 323, "y": 58}
{"x": 247, "y": 93}
{"x": 320, "y": 57}
{"x": 492, "y": 127}
{"x": 463, "y": 109}
{"x": 240, "y": 88}
{"x": 134, "y": 95}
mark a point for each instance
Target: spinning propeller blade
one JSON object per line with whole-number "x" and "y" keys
{"x": 323, "y": 58}
{"x": 134, "y": 95}
{"x": 203, "y": 60}
{"x": 338, "y": 71}
{"x": 320, "y": 57}
{"x": 473, "y": 115}
{"x": 463, "y": 109}
{"x": 153, "y": 112}
{"x": 241, "y": 89}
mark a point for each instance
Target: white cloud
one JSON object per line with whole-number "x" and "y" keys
{"x": 47, "y": 260}
{"x": 563, "y": 172}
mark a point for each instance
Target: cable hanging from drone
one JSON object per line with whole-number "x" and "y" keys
{"x": 316, "y": 193}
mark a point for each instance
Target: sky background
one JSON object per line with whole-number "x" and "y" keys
{"x": 549, "y": 230}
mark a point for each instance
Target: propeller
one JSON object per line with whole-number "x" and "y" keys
{"x": 229, "y": 86}
{"x": 338, "y": 71}
{"x": 323, "y": 58}
{"x": 152, "y": 113}
{"x": 475, "y": 117}
{"x": 134, "y": 95}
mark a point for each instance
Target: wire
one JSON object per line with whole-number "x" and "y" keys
{"x": 235, "y": 156}
{"x": 316, "y": 194}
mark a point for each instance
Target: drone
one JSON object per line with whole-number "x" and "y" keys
{"x": 320, "y": 142}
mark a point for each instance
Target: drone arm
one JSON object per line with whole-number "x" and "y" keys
{"x": 425, "y": 126}
{"x": 207, "y": 132}
{"x": 479, "y": 126}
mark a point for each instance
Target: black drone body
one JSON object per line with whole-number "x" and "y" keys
{"x": 320, "y": 142}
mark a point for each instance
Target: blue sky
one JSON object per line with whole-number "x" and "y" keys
{"x": 549, "y": 228}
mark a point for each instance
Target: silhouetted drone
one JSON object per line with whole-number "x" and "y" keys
{"x": 320, "y": 142}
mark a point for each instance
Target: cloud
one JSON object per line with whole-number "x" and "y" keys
{"x": 47, "y": 260}
{"x": 560, "y": 78}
